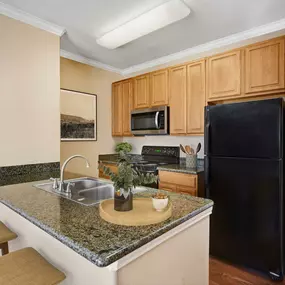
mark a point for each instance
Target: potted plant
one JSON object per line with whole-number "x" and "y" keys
{"x": 127, "y": 178}
{"x": 123, "y": 146}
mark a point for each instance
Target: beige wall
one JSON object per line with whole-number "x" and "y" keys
{"x": 81, "y": 77}
{"x": 29, "y": 94}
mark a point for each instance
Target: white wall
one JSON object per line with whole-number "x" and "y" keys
{"x": 138, "y": 142}
{"x": 29, "y": 94}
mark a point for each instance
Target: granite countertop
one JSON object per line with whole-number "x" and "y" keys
{"x": 181, "y": 168}
{"x": 81, "y": 227}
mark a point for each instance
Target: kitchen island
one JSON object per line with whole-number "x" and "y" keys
{"x": 89, "y": 250}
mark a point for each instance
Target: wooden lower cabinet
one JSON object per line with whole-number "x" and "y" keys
{"x": 182, "y": 182}
{"x": 113, "y": 167}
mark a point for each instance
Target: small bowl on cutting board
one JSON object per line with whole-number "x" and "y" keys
{"x": 160, "y": 202}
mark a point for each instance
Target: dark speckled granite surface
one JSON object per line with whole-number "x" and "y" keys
{"x": 81, "y": 228}
{"x": 28, "y": 172}
{"x": 181, "y": 167}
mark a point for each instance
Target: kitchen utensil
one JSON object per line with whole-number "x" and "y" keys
{"x": 188, "y": 149}
{"x": 182, "y": 148}
{"x": 198, "y": 148}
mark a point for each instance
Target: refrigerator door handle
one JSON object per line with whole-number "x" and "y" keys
{"x": 207, "y": 177}
{"x": 207, "y": 131}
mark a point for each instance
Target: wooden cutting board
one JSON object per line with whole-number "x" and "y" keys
{"x": 143, "y": 213}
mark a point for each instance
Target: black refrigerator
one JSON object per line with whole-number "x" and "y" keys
{"x": 244, "y": 178}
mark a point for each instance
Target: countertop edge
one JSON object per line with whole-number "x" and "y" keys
{"x": 94, "y": 258}
{"x": 186, "y": 171}
{"x": 86, "y": 253}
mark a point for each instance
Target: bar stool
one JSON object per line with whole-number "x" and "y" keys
{"x": 25, "y": 267}
{"x": 5, "y": 236}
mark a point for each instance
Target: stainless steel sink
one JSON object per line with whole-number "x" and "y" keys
{"x": 98, "y": 194}
{"x": 86, "y": 191}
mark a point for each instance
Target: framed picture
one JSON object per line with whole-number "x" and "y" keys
{"x": 78, "y": 116}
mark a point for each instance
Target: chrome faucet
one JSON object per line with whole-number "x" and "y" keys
{"x": 61, "y": 182}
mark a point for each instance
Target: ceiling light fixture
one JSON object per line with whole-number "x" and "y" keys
{"x": 157, "y": 18}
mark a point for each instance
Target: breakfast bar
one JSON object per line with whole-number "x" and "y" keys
{"x": 76, "y": 240}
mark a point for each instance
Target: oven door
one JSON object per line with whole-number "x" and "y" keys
{"x": 153, "y": 121}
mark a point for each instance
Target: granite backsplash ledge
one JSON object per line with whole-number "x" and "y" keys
{"x": 28, "y": 172}
{"x": 179, "y": 167}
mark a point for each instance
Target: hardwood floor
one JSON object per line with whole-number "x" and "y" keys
{"x": 225, "y": 274}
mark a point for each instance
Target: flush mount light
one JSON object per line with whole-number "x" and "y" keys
{"x": 157, "y": 18}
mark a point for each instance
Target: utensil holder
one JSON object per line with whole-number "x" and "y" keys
{"x": 191, "y": 160}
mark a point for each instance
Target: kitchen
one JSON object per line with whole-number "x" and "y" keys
{"x": 250, "y": 69}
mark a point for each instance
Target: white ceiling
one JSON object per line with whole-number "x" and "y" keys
{"x": 87, "y": 20}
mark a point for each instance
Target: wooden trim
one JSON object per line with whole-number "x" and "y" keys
{"x": 205, "y": 57}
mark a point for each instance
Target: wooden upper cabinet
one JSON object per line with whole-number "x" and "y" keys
{"x": 127, "y": 101}
{"x": 159, "y": 87}
{"x": 141, "y": 92}
{"x": 196, "y": 97}
{"x": 224, "y": 75}
{"x": 264, "y": 66}
{"x": 117, "y": 109}
{"x": 177, "y": 99}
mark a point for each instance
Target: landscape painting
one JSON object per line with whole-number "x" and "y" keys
{"x": 78, "y": 113}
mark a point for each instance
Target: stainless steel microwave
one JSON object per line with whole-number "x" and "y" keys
{"x": 152, "y": 121}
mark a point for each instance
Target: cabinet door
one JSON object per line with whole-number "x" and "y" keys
{"x": 117, "y": 110}
{"x": 167, "y": 186}
{"x": 196, "y": 99}
{"x": 224, "y": 75}
{"x": 187, "y": 190}
{"x": 264, "y": 66}
{"x": 177, "y": 99}
{"x": 183, "y": 179}
{"x": 159, "y": 88}
{"x": 141, "y": 92}
{"x": 127, "y": 106}
{"x": 113, "y": 168}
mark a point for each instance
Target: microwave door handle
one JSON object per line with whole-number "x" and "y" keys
{"x": 156, "y": 120}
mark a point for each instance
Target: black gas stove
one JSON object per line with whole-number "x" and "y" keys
{"x": 153, "y": 156}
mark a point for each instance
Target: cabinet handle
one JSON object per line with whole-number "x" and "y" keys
{"x": 156, "y": 120}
